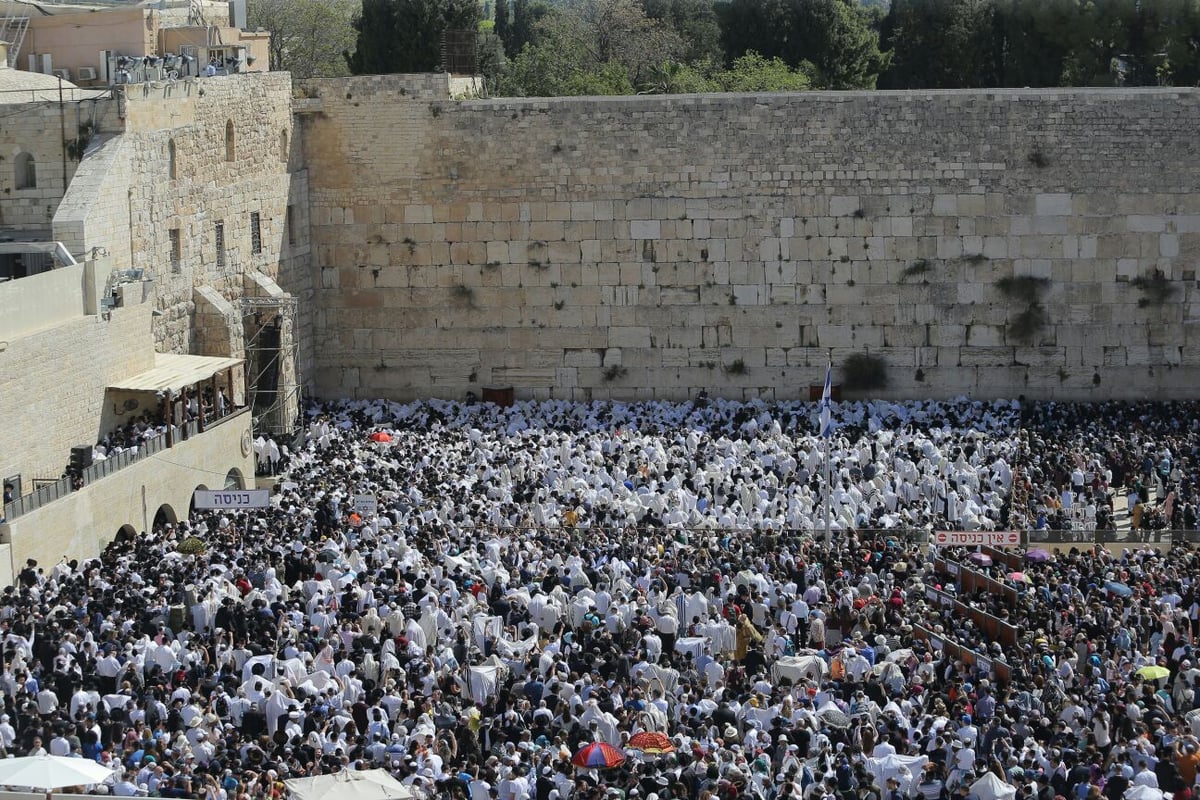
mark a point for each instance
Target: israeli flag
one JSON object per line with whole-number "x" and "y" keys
{"x": 826, "y": 424}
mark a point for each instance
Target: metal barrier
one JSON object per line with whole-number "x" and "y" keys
{"x": 105, "y": 467}
{"x": 37, "y": 498}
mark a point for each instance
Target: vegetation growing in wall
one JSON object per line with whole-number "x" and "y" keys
{"x": 918, "y": 268}
{"x": 77, "y": 147}
{"x": 613, "y": 372}
{"x": 463, "y": 294}
{"x": 738, "y": 367}
{"x": 863, "y": 372}
{"x": 1022, "y": 288}
{"x": 1026, "y": 292}
{"x": 1155, "y": 288}
{"x": 1026, "y": 325}
{"x": 1037, "y": 158}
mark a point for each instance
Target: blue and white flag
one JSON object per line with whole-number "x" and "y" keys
{"x": 826, "y": 424}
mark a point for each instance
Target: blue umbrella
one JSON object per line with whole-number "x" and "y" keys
{"x": 1119, "y": 589}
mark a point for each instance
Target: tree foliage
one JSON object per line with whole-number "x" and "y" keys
{"x": 406, "y": 35}
{"x": 836, "y": 37}
{"x": 940, "y": 44}
{"x": 591, "y": 47}
{"x": 308, "y": 37}
{"x": 670, "y": 46}
{"x": 984, "y": 43}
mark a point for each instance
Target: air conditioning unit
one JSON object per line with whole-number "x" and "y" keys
{"x": 87, "y": 73}
{"x": 65, "y": 74}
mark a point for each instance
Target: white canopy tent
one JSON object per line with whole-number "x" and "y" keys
{"x": 370, "y": 784}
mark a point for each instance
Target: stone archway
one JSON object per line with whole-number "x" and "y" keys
{"x": 234, "y": 479}
{"x": 165, "y": 516}
{"x": 126, "y": 533}
{"x": 192, "y": 504}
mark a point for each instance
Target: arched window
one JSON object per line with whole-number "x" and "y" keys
{"x": 173, "y": 165}
{"x": 283, "y": 146}
{"x": 230, "y": 152}
{"x": 26, "y": 171}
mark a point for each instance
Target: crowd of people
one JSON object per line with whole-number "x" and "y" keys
{"x": 539, "y": 579}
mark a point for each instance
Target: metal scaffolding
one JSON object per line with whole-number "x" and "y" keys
{"x": 273, "y": 384}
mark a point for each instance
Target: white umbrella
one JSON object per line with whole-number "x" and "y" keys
{"x": 1141, "y": 792}
{"x": 47, "y": 772}
{"x": 372, "y": 784}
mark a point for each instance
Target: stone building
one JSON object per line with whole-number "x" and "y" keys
{"x": 140, "y": 271}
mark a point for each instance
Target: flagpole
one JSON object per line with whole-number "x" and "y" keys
{"x": 828, "y": 491}
{"x": 826, "y": 428}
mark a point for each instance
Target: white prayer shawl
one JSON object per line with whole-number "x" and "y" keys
{"x": 267, "y": 662}
{"x": 293, "y": 670}
{"x": 428, "y": 625}
{"x": 578, "y": 609}
{"x": 798, "y": 668}
{"x": 482, "y": 683}
{"x": 606, "y": 724}
{"x": 416, "y": 635}
{"x": 484, "y": 629}
{"x": 516, "y": 650}
{"x": 661, "y": 678}
{"x": 722, "y": 635}
{"x": 276, "y": 708}
{"x": 387, "y": 656}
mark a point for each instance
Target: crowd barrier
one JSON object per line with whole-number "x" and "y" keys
{"x": 1000, "y": 669}
{"x": 993, "y": 627}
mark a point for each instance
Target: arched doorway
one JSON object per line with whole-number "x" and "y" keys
{"x": 165, "y": 516}
{"x": 192, "y": 504}
{"x": 234, "y": 479}
{"x": 126, "y": 533}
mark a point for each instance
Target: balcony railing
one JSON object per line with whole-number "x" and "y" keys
{"x": 102, "y": 469}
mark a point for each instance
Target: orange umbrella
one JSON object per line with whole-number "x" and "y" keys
{"x": 652, "y": 742}
{"x": 380, "y": 436}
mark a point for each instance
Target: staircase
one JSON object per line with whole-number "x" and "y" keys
{"x": 12, "y": 30}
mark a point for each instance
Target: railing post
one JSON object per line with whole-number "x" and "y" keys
{"x": 170, "y": 417}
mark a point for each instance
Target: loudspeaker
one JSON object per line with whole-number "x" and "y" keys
{"x": 81, "y": 456}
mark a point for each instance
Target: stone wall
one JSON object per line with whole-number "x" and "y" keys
{"x": 54, "y": 397}
{"x": 191, "y": 155}
{"x": 651, "y": 247}
{"x": 40, "y": 129}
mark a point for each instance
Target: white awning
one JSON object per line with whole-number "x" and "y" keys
{"x": 173, "y": 372}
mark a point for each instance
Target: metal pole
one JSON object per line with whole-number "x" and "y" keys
{"x": 828, "y": 487}
{"x": 62, "y": 120}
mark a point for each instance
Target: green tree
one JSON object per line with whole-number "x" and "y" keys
{"x": 696, "y": 23}
{"x": 592, "y": 46}
{"x": 673, "y": 77}
{"x": 753, "y": 73}
{"x": 836, "y": 36}
{"x": 405, "y": 35}
{"x": 502, "y": 27}
{"x": 549, "y": 70}
{"x": 308, "y": 37}
{"x": 522, "y": 29}
{"x": 940, "y": 44}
